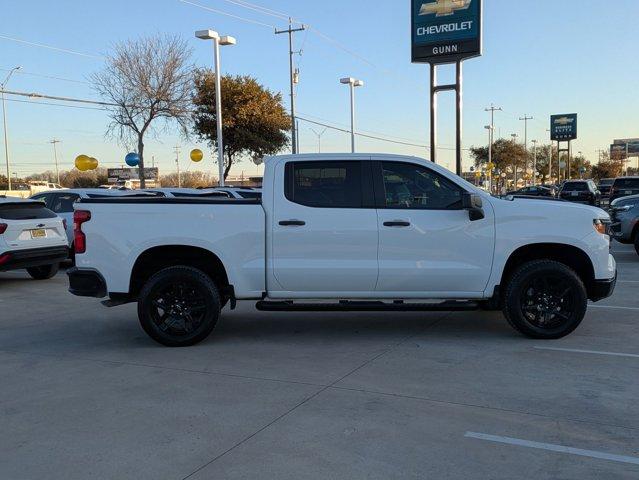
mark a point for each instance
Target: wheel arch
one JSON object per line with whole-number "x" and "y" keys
{"x": 156, "y": 258}
{"x": 570, "y": 255}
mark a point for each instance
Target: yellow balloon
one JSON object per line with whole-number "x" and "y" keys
{"x": 82, "y": 162}
{"x": 93, "y": 163}
{"x": 197, "y": 155}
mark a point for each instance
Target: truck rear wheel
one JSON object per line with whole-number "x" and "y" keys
{"x": 179, "y": 306}
{"x": 545, "y": 299}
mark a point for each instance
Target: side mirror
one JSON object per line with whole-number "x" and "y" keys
{"x": 472, "y": 202}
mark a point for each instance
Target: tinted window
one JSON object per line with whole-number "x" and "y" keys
{"x": 413, "y": 186}
{"x": 627, "y": 183}
{"x": 25, "y": 211}
{"x": 324, "y": 184}
{"x": 63, "y": 202}
{"x": 575, "y": 186}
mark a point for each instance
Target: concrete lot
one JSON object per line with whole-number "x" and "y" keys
{"x": 84, "y": 394}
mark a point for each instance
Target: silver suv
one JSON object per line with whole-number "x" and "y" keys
{"x": 624, "y": 213}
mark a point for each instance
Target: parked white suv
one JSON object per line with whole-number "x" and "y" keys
{"x": 31, "y": 237}
{"x": 345, "y": 232}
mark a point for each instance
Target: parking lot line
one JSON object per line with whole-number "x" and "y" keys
{"x": 590, "y": 305}
{"x": 553, "y": 447}
{"x": 593, "y": 352}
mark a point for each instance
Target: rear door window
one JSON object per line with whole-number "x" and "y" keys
{"x": 324, "y": 184}
{"x": 63, "y": 202}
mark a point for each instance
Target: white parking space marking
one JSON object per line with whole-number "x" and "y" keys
{"x": 627, "y": 281}
{"x": 593, "y": 352}
{"x": 553, "y": 447}
{"x": 613, "y": 306}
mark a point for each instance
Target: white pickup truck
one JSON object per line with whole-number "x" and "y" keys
{"x": 339, "y": 232}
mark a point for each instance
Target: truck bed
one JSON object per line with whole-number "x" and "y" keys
{"x": 124, "y": 228}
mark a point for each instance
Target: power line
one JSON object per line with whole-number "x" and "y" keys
{"x": 50, "y": 47}
{"x": 228, "y": 14}
{"x": 22, "y": 72}
{"x": 259, "y": 8}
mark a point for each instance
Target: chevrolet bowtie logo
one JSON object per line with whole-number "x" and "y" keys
{"x": 442, "y": 8}
{"x": 564, "y": 120}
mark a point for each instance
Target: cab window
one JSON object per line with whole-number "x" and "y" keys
{"x": 331, "y": 184}
{"x": 412, "y": 186}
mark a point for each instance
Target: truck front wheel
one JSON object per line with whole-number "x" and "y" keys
{"x": 545, "y": 299}
{"x": 179, "y": 306}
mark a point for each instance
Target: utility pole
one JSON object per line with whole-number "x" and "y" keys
{"x": 294, "y": 77}
{"x": 55, "y": 158}
{"x": 492, "y": 109}
{"x": 319, "y": 138}
{"x": 177, "y": 163}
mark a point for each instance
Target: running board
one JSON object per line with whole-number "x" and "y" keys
{"x": 365, "y": 306}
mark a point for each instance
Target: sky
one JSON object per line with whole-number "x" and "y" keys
{"x": 540, "y": 57}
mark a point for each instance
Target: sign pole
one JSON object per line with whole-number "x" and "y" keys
{"x": 458, "y": 133}
{"x": 433, "y": 113}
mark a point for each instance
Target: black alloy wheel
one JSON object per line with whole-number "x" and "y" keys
{"x": 179, "y": 306}
{"x": 545, "y": 299}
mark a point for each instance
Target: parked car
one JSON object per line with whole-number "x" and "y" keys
{"x": 31, "y": 237}
{"x": 624, "y": 213}
{"x": 604, "y": 186}
{"x": 61, "y": 203}
{"x": 623, "y": 187}
{"x": 344, "y": 232}
{"x": 188, "y": 192}
{"x": 535, "y": 191}
{"x": 241, "y": 192}
{"x": 580, "y": 191}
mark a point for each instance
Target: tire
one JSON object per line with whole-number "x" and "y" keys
{"x": 637, "y": 243}
{"x": 179, "y": 306}
{"x": 545, "y": 299}
{"x": 43, "y": 272}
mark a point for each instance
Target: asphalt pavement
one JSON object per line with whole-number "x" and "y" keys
{"x": 85, "y": 394}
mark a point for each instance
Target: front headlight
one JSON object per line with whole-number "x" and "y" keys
{"x": 601, "y": 225}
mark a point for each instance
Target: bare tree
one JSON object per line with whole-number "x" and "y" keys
{"x": 145, "y": 80}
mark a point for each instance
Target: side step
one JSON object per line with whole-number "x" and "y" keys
{"x": 365, "y": 306}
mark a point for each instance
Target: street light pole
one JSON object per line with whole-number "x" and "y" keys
{"x": 4, "y": 123}
{"x": 217, "y": 41}
{"x": 352, "y": 83}
{"x": 534, "y": 172}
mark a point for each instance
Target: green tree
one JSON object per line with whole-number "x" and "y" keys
{"x": 507, "y": 155}
{"x": 254, "y": 121}
{"x": 607, "y": 167}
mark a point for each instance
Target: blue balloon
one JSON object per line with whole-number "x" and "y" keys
{"x": 132, "y": 159}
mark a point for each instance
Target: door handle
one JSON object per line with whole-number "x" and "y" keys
{"x": 292, "y": 223}
{"x": 397, "y": 223}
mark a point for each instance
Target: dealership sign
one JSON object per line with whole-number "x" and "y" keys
{"x": 563, "y": 127}
{"x": 446, "y": 31}
{"x": 624, "y": 148}
{"x": 117, "y": 175}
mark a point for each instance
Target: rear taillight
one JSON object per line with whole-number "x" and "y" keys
{"x": 79, "y": 239}
{"x": 3, "y": 228}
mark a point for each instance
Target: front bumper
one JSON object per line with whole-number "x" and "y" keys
{"x": 85, "y": 282}
{"x": 32, "y": 257}
{"x": 601, "y": 289}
